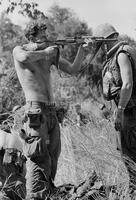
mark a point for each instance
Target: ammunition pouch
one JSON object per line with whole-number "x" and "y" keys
{"x": 61, "y": 113}
{"x": 34, "y": 118}
{"x": 33, "y": 123}
{"x": 34, "y": 147}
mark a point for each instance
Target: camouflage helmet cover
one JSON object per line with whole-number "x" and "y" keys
{"x": 104, "y": 30}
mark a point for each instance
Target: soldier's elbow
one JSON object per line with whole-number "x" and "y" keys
{"x": 20, "y": 56}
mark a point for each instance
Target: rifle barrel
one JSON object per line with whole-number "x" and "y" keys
{"x": 93, "y": 38}
{"x": 73, "y": 40}
{"x": 102, "y": 39}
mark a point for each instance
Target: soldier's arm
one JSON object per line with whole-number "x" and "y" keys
{"x": 24, "y": 56}
{"x": 72, "y": 68}
{"x": 35, "y": 46}
{"x": 127, "y": 79}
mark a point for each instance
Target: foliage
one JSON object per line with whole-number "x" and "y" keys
{"x": 63, "y": 22}
{"x": 10, "y": 36}
{"x": 27, "y": 9}
{"x": 60, "y": 22}
{"x": 88, "y": 141}
{"x": 87, "y": 148}
{"x": 11, "y": 92}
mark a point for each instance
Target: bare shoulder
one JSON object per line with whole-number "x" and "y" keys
{"x": 123, "y": 58}
{"x": 17, "y": 49}
{"x": 19, "y": 53}
{"x": 124, "y": 64}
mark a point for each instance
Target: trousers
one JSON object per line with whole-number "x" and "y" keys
{"x": 41, "y": 147}
{"x": 128, "y": 143}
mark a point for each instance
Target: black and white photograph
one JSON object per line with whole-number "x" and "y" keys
{"x": 67, "y": 100}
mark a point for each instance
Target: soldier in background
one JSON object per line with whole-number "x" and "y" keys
{"x": 118, "y": 63}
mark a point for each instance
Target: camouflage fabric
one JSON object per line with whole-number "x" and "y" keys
{"x": 112, "y": 81}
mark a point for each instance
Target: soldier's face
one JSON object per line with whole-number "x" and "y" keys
{"x": 100, "y": 56}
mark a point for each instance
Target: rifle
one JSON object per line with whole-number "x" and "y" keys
{"x": 67, "y": 40}
{"x": 79, "y": 40}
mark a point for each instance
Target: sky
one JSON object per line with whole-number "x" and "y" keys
{"x": 119, "y": 13}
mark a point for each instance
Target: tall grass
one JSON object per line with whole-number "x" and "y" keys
{"x": 92, "y": 147}
{"x": 88, "y": 147}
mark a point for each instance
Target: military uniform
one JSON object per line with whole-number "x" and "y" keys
{"x": 41, "y": 147}
{"x": 125, "y": 121}
{"x": 112, "y": 83}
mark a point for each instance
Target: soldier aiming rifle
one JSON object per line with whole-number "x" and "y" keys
{"x": 41, "y": 143}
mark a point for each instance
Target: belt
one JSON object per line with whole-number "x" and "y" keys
{"x": 45, "y": 104}
{"x": 48, "y": 105}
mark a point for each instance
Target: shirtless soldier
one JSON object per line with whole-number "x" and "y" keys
{"x": 42, "y": 144}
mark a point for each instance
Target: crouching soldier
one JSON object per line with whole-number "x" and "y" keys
{"x": 12, "y": 167}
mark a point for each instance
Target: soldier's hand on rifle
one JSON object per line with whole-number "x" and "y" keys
{"x": 52, "y": 50}
{"x": 88, "y": 42}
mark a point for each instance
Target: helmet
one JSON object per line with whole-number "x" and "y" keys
{"x": 104, "y": 30}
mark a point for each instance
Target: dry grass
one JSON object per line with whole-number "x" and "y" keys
{"x": 92, "y": 147}
{"x": 88, "y": 148}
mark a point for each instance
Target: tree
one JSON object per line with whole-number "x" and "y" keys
{"x": 10, "y": 34}
{"x": 64, "y": 22}
{"x": 27, "y": 9}
{"x": 60, "y": 22}
{"x": 10, "y": 90}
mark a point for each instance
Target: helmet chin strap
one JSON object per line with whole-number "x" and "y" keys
{"x": 92, "y": 58}
{"x": 105, "y": 51}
